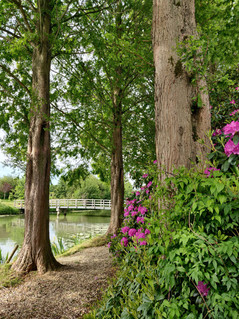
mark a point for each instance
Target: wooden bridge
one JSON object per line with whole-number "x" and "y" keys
{"x": 62, "y": 204}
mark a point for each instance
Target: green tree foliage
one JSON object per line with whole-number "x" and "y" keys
{"x": 19, "y": 190}
{"x": 92, "y": 78}
{"x": 214, "y": 53}
{"x": 89, "y": 188}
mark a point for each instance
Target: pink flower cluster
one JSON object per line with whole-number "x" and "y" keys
{"x": 231, "y": 130}
{"x": 234, "y": 112}
{"x": 208, "y": 171}
{"x": 202, "y": 288}
{"x": 217, "y": 132}
{"x": 134, "y": 225}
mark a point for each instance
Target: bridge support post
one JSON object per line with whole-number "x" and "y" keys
{"x": 58, "y": 210}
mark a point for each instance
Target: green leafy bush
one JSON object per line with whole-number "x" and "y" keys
{"x": 7, "y": 210}
{"x": 189, "y": 267}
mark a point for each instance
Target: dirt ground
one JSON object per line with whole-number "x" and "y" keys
{"x": 64, "y": 294}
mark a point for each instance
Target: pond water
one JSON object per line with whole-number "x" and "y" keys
{"x": 65, "y": 228}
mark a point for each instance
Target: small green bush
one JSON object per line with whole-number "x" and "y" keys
{"x": 7, "y": 210}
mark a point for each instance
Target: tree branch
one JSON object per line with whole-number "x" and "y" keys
{"x": 86, "y": 131}
{"x": 15, "y": 78}
{"x": 9, "y": 32}
{"x": 20, "y": 7}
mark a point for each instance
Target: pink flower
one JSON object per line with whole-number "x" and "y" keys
{"x": 142, "y": 188}
{"x": 202, "y": 288}
{"x": 237, "y": 88}
{"x": 113, "y": 236}
{"x": 134, "y": 213}
{"x": 217, "y": 132}
{"x": 126, "y": 214}
{"x": 140, "y": 220}
{"x": 234, "y": 112}
{"x": 137, "y": 193}
{"x": 147, "y": 231}
{"x": 125, "y": 229}
{"x": 132, "y": 232}
{"x": 147, "y": 191}
{"x": 149, "y": 184}
{"x": 143, "y": 243}
{"x": 124, "y": 242}
{"x": 131, "y": 207}
{"x": 145, "y": 175}
{"x": 210, "y": 107}
{"x": 155, "y": 162}
{"x": 208, "y": 171}
{"x": 231, "y": 148}
{"x": 142, "y": 210}
{"x": 233, "y": 102}
{"x": 140, "y": 235}
{"x": 231, "y": 128}
{"x": 109, "y": 244}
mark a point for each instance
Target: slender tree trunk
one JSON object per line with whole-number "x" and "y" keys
{"x": 36, "y": 251}
{"x": 177, "y": 128}
{"x": 117, "y": 171}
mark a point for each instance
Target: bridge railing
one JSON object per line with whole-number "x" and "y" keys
{"x": 73, "y": 203}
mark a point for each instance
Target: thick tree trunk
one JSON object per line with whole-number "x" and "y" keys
{"x": 177, "y": 128}
{"x": 117, "y": 173}
{"x": 36, "y": 251}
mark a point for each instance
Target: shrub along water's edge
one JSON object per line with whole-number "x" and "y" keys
{"x": 8, "y": 210}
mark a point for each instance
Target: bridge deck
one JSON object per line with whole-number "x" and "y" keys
{"x": 72, "y": 204}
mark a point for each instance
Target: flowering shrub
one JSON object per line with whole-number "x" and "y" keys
{"x": 184, "y": 264}
{"x": 225, "y": 143}
{"x": 225, "y": 110}
{"x": 135, "y": 227}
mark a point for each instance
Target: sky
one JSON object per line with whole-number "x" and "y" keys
{"x": 7, "y": 170}
{"x": 14, "y": 172}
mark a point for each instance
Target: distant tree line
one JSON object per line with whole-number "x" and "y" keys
{"x": 90, "y": 187}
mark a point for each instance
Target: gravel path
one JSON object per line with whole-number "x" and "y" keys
{"x": 64, "y": 294}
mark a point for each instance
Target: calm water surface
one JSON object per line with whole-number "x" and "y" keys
{"x": 65, "y": 228}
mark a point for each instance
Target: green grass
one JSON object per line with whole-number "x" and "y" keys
{"x": 7, "y": 202}
{"x": 8, "y": 278}
{"x": 92, "y": 242}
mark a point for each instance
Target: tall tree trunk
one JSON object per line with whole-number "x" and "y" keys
{"x": 177, "y": 128}
{"x": 117, "y": 171}
{"x": 36, "y": 251}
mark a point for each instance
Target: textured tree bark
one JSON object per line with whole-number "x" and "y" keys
{"x": 177, "y": 128}
{"x": 36, "y": 252}
{"x": 117, "y": 171}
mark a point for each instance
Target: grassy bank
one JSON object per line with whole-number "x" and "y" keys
{"x": 8, "y": 278}
{"x": 96, "y": 213}
{"x": 7, "y": 202}
{"x": 92, "y": 242}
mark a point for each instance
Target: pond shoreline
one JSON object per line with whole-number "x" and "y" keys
{"x": 65, "y": 231}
